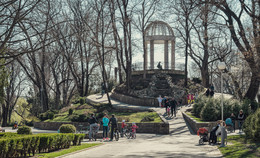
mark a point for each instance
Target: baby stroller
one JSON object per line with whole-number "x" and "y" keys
{"x": 203, "y": 134}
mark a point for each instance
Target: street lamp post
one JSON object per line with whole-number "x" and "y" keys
{"x": 221, "y": 67}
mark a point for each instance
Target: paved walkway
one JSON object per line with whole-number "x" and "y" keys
{"x": 179, "y": 143}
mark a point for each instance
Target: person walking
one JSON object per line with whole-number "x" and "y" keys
{"x": 163, "y": 101}
{"x": 113, "y": 123}
{"x": 105, "y": 121}
{"x": 173, "y": 105}
{"x": 240, "y": 119}
{"x": 160, "y": 100}
{"x": 93, "y": 123}
{"x": 166, "y": 104}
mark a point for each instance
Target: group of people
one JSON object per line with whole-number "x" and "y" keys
{"x": 107, "y": 123}
{"x": 210, "y": 91}
{"x": 170, "y": 105}
{"x": 191, "y": 97}
{"x": 228, "y": 122}
{"x": 231, "y": 121}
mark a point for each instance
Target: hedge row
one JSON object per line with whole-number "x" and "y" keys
{"x": 251, "y": 126}
{"x": 12, "y": 145}
{"x": 209, "y": 109}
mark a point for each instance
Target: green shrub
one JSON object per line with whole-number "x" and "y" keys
{"x": 256, "y": 125}
{"x": 251, "y": 126}
{"x": 82, "y": 100}
{"x": 236, "y": 107}
{"x": 8, "y": 135}
{"x": 246, "y": 107}
{"x": 227, "y": 108}
{"x": 197, "y": 107}
{"x": 209, "y": 112}
{"x": 24, "y": 145}
{"x": 67, "y": 128}
{"x": 24, "y": 130}
{"x": 74, "y": 117}
{"x": 70, "y": 111}
{"x": 47, "y": 115}
{"x": 43, "y": 116}
{"x": 50, "y": 115}
{"x": 78, "y": 138}
{"x": 254, "y": 106}
{"x": 78, "y": 118}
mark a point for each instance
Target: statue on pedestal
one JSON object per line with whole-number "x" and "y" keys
{"x": 159, "y": 66}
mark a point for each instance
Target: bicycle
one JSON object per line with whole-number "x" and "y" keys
{"x": 125, "y": 132}
{"x": 94, "y": 130}
{"x": 116, "y": 134}
{"x": 82, "y": 129}
{"x": 132, "y": 135}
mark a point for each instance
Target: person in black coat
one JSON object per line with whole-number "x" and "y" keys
{"x": 233, "y": 118}
{"x": 173, "y": 105}
{"x": 113, "y": 123}
{"x": 166, "y": 104}
{"x": 213, "y": 136}
{"x": 240, "y": 119}
{"x": 207, "y": 92}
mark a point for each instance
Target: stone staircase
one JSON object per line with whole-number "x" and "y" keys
{"x": 163, "y": 87}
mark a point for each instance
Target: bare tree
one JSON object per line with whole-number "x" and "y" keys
{"x": 125, "y": 20}
{"x": 183, "y": 10}
{"x": 12, "y": 91}
{"x": 11, "y": 13}
{"x": 245, "y": 34}
{"x": 144, "y": 16}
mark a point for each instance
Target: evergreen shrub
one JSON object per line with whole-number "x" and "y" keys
{"x": 197, "y": 107}
{"x": 82, "y": 100}
{"x": 209, "y": 112}
{"x": 78, "y": 118}
{"x": 24, "y": 130}
{"x": 50, "y": 115}
{"x": 251, "y": 126}
{"x": 70, "y": 111}
{"x": 25, "y": 145}
{"x": 67, "y": 128}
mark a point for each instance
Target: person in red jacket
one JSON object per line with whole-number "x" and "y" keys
{"x": 134, "y": 127}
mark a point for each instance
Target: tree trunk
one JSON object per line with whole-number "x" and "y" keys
{"x": 186, "y": 49}
{"x": 5, "y": 115}
{"x": 205, "y": 76}
{"x": 9, "y": 115}
{"x": 253, "y": 88}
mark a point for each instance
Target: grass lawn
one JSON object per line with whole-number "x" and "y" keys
{"x": 194, "y": 117}
{"x": 63, "y": 115}
{"x": 66, "y": 151}
{"x": 240, "y": 148}
{"x": 137, "y": 116}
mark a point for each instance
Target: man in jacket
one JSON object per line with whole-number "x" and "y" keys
{"x": 113, "y": 123}
{"x": 92, "y": 125}
{"x": 173, "y": 105}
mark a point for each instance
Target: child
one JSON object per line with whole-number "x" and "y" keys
{"x": 123, "y": 126}
{"x": 168, "y": 111}
{"x": 134, "y": 127}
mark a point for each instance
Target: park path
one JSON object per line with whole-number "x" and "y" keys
{"x": 179, "y": 143}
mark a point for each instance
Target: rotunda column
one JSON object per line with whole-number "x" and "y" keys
{"x": 173, "y": 55}
{"x": 166, "y": 56}
{"x": 152, "y": 54}
{"x": 145, "y": 56}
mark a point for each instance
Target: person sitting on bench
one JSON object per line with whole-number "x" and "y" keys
{"x": 229, "y": 122}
